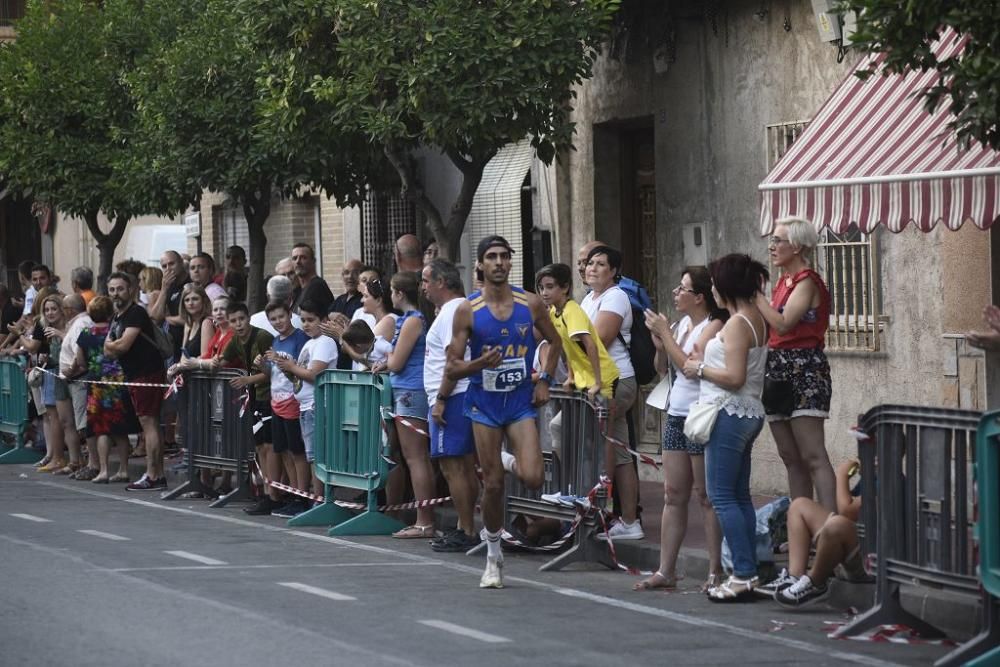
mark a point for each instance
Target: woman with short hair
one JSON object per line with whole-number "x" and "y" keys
{"x": 799, "y": 315}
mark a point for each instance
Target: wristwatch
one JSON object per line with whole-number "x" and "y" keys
{"x": 545, "y": 377}
{"x": 441, "y": 397}
{"x": 701, "y": 370}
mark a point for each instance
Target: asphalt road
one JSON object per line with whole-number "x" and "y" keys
{"x": 91, "y": 575}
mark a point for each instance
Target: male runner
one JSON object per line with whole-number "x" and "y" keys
{"x": 497, "y": 324}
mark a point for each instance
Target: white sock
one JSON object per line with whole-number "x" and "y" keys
{"x": 493, "y": 545}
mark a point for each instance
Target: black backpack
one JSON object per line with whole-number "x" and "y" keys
{"x": 641, "y": 349}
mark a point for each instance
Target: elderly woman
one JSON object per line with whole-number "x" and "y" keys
{"x": 683, "y": 460}
{"x": 797, "y": 368}
{"x": 732, "y": 378}
{"x": 609, "y": 308}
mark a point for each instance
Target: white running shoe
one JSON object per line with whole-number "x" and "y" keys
{"x": 781, "y": 582}
{"x": 623, "y": 531}
{"x": 508, "y": 460}
{"x": 493, "y": 575}
{"x": 802, "y": 593}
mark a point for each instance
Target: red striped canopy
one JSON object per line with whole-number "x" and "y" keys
{"x": 874, "y": 155}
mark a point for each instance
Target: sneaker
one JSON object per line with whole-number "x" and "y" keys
{"x": 802, "y": 593}
{"x": 493, "y": 575}
{"x": 455, "y": 541}
{"x": 561, "y": 499}
{"x": 623, "y": 531}
{"x": 142, "y": 484}
{"x": 262, "y": 507}
{"x": 508, "y": 460}
{"x": 292, "y": 509}
{"x": 781, "y": 582}
{"x": 159, "y": 484}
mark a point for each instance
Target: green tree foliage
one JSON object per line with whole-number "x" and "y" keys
{"x": 199, "y": 93}
{"x": 465, "y": 78}
{"x": 905, "y": 31}
{"x": 67, "y": 123}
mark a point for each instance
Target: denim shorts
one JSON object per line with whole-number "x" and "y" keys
{"x": 410, "y": 403}
{"x": 307, "y": 420}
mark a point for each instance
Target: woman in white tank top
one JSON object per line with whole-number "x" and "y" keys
{"x": 732, "y": 377}
{"x": 683, "y": 460}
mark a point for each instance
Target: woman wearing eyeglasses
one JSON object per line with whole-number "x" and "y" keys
{"x": 797, "y": 397}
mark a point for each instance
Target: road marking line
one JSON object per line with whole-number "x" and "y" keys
{"x": 321, "y": 592}
{"x": 204, "y": 560}
{"x": 32, "y": 517}
{"x": 106, "y": 536}
{"x": 284, "y": 566}
{"x": 465, "y": 632}
{"x": 695, "y": 621}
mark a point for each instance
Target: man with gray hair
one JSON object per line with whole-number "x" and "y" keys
{"x": 69, "y": 369}
{"x": 285, "y": 267}
{"x": 82, "y": 281}
{"x": 279, "y": 290}
{"x": 451, "y": 440}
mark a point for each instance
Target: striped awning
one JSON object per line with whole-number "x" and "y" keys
{"x": 874, "y": 155}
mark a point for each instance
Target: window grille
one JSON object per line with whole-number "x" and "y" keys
{"x": 385, "y": 217}
{"x": 231, "y": 229}
{"x": 849, "y": 264}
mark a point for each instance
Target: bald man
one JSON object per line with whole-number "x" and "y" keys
{"x": 350, "y": 300}
{"x": 166, "y": 306}
{"x": 408, "y": 254}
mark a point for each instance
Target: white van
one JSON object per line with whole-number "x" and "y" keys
{"x": 147, "y": 243}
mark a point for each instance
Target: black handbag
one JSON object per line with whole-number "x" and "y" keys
{"x": 778, "y": 397}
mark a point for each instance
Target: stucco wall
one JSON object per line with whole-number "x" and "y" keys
{"x": 708, "y": 112}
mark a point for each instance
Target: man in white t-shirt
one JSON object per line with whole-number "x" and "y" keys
{"x": 279, "y": 290}
{"x": 609, "y": 308}
{"x": 68, "y": 369}
{"x": 452, "y": 443}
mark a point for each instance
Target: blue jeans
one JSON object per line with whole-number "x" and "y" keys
{"x": 727, "y": 477}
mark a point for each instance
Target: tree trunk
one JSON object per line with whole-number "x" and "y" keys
{"x": 472, "y": 176}
{"x": 106, "y": 245}
{"x": 412, "y": 189}
{"x": 256, "y": 210}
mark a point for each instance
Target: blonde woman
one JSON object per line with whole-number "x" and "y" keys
{"x": 150, "y": 284}
{"x": 199, "y": 328}
{"x": 798, "y": 315}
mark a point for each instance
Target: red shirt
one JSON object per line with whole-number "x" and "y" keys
{"x": 810, "y": 332}
{"x": 218, "y": 343}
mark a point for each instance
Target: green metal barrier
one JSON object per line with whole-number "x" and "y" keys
{"x": 14, "y": 413}
{"x": 988, "y": 532}
{"x": 349, "y": 445}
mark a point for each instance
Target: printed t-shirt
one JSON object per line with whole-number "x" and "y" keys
{"x": 321, "y": 348}
{"x": 574, "y": 322}
{"x": 284, "y": 385}
{"x": 241, "y": 355}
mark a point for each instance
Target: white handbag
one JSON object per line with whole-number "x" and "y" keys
{"x": 700, "y": 421}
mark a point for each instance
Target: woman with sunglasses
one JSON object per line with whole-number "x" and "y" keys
{"x": 797, "y": 369}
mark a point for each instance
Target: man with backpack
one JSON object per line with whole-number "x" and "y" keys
{"x": 132, "y": 340}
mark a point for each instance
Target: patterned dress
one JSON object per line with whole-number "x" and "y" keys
{"x": 109, "y": 408}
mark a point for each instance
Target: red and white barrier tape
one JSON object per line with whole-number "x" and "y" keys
{"x": 105, "y": 382}
{"x": 618, "y": 443}
{"x": 893, "y": 634}
{"x": 416, "y": 504}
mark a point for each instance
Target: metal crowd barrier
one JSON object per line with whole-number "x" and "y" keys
{"x": 14, "y": 413}
{"x": 917, "y": 512}
{"x": 215, "y": 435}
{"x": 988, "y": 532}
{"x": 351, "y": 450}
{"x": 573, "y": 467}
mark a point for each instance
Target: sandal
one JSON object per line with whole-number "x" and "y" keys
{"x": 87, "y": 474}
{"x": 657, "y": 580}
{"x": 68, "y": 469}
{"x": 52, "y": 466}
{"x": 733, "y": 589}
{"x": 44, "y": 462}
{"x": 414, "y": 532}
{"x": 710, "y": 583}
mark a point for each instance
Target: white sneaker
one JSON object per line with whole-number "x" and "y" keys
{"x": 508, "y": 460}
{"x": 493, "y": 575}
{"x": 623, "y": 531}
{"x": 802, "y": 593}
{"x": 782, "y": 581}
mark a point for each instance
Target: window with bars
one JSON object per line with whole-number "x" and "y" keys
{"x": 385, "y": 217}
{"x": 231, "y": 229}
{"x": 847, "y": 261}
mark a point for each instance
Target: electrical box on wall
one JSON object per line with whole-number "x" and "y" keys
{"x": 695, "y": 239}
{"x": 849, "y": 25}
{"x": 827, "y": 20}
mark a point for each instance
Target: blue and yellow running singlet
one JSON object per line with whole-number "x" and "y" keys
{"x": 502, "y": 395}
